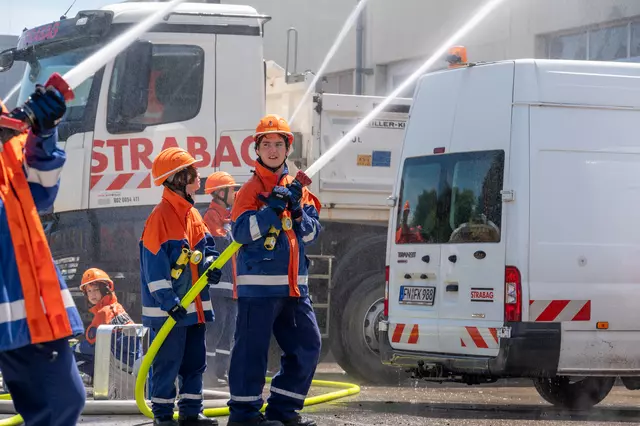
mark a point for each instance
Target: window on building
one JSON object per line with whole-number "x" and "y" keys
{"x": 620, "y": 42}
{"x": 340, "y": 82}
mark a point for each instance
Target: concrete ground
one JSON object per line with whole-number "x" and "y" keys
{"x": 418, "y": 403}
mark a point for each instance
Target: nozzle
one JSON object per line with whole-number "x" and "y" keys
{"x": 303, "y": 178}
{"x": 57, "y": 82}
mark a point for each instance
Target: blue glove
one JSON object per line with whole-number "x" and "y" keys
{"x": 278, "y": 199}
{"x": 295, "y": 188}
{"x": 178, "y": 312}
{"x": 213, "y": 276}
{"x": 45, "y": 107}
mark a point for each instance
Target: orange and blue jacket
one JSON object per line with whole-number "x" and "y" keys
{"x": 218, "y": 220}
{"x": 173, "y": 225}
{"x": 35, "y": 303}
{"x": 109, "y": 312}
{"x": 283, "y": 271}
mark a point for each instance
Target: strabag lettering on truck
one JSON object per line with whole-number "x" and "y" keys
{"x": 109, "y": 156}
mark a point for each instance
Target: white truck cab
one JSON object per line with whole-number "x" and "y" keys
{"x": 512, "y": 250}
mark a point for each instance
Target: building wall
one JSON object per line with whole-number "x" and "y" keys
{"x": 9, "y": 79}
{"x": 400, "y": 35}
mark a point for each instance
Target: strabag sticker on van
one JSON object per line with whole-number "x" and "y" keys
{"x": 482, "y": 294}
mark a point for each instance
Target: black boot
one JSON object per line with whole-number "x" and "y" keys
{"x": 164, "y": 422}
{"x": 199, "y": 420}
{"x": 257, "y": 421}
{"x": 299, "y": 421}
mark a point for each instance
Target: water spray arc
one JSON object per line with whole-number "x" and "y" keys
{"x": 93, "y": 63}
{"x": 332, "y": 51}
{"x": 438, "y": 54}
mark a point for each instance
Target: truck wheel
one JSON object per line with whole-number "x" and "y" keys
{"x": 338, "y": 301}
{"x": 360, "y": 335}
{"x": 577, "y": 395}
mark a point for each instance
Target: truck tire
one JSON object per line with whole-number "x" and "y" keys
{"x": 338, "y": 301}
{"x": 362, "y": 312}
{"x": 345, "y": 279}
{"x": 578, "y": 395}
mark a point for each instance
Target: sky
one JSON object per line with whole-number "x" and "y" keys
{"x": 18, "y": 14}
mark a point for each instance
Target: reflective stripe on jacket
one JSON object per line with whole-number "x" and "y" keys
{"x": 172, "y": 225}
{"x": 282, "y": 271}
{"x": 35, "y": 303}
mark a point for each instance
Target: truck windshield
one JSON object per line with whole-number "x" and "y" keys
{"x": 61, "y": 62}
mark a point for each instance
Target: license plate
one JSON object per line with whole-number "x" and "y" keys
{"x": 412, "y": 295}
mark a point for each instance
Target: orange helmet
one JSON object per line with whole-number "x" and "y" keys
{"x": 272, "y": 123}
{"x": 93, "y": 275}
{"x": 169, "y": 162}
{"x": 219, "y": 180}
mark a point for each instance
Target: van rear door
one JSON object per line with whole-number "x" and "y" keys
{"x": 450, "y": 224}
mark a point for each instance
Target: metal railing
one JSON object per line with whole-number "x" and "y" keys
{"x": 116, "y": 364}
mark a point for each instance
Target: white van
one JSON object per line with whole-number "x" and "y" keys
{"x": 514, "y": 246}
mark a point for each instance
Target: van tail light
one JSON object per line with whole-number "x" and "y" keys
{"x": 512, "y": 294}
{"x": 386, "y": 291}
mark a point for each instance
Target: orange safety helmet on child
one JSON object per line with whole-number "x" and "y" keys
{"x": 219, "y": 180}
{"x": 169, "y": 162}
{"x": 273, "y": 123}
{"x": 93, "y": 275}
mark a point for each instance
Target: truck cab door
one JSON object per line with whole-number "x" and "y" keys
{"x": 152, "y": 98}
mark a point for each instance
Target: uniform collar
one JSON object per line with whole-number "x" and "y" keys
{"x": 107, "y": 300}
{"x": 220, "y": 210}
{"x": 181, "y": 205}
{"x": 269, "y": 178}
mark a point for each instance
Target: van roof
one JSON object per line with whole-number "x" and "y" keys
{"x": 570, "y": 83}
{"x": 194, "y": 13}
{"x": 588, "y": 83}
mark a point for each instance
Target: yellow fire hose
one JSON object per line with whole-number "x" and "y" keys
{"x": 346, "y": 389}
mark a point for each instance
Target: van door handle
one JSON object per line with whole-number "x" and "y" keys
{"x": 453, "y": 258}
{"x": 452, "y": 287}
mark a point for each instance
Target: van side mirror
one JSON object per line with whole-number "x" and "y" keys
{"x": 129, "y": 91}
{"x": 6, "y": 60}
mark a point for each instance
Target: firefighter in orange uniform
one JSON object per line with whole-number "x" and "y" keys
{"x": 272, "y": 286}
{"x": 99, "y": 290}
{"x": 222, "y": 188}
{"x": 37, "y": 312}
{"x": 175, "y": 250}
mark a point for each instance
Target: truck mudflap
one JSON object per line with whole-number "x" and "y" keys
{"x": 532, "y": 350}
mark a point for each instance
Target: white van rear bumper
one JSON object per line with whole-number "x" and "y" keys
{"x": 533, "y": 350}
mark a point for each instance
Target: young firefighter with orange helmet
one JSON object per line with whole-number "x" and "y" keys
{"x": 37, "y": 312}
{"x": 273, "y": 295}
{"x": 175, "y": 249}
{"x": 222, "y": 188}
{"x": 98, "y": 288}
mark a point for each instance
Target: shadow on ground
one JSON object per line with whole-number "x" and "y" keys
{"x": 491, "y": 411}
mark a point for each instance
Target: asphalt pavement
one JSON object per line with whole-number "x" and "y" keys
{"x": 419, "y": 403}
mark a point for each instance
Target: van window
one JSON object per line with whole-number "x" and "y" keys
{"x": 451, "y": 198}
{"x": 175, "y": 86}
